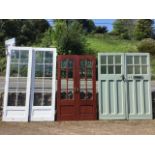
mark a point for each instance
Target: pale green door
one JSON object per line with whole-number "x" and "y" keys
{"x": 138, "y": 86}
{"x": 124, "y": 86}
{"x": 111, "y": 86}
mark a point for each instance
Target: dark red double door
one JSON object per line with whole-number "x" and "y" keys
{"x": 76, "y": 94}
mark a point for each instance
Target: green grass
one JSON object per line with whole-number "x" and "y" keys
{"x": 107, "y": 43}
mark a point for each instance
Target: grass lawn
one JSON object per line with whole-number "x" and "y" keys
{"x": 106, "y": 43}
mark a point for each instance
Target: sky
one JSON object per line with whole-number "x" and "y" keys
{"x": 99, "y": 22}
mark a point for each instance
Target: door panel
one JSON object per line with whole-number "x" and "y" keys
{"x": 76, "y": 99}
{"x": 111, "y": 86}
{"x": 138, "y": 86}
{"x": 43, "y": 86}
{"x": 17, "y": 86}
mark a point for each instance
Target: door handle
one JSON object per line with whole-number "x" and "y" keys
{"x": 123, "y": 78}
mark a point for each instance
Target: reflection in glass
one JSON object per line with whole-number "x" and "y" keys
{"x": 144, "y": 69}
{"x": 103, "y": 69}
{"x": 23, "y": 56}
{"x": 48, "y": 70}
{"x": 103, "y": 59}
{"x": 47, "y": 99}
{"x": 14, "y": 56}
{"x": 137, "y": 69}
{"x": 144, "y": 60}
{"x": 37, "y": 99}
{"x": 110, "y": 59}
{"x": 70, "y": 73}
{"x": 39, "y": 56}
{"x": 82, "y": 73}
{"x": 117, "y": 59}
{"x": 14, "y": 70}
{"x": 63, "y": 73}
{"x": 110, "y": 70}
{"x": 48, "y": 57}
{"x": 130, "y": 69}
{"x": 23, "y": 70}
{"x": 129, "y": 60}
{"x": 137, "y": 61}
{"x": 39, "y": 71}
{"x": 118, "y": 69}
{"x": 21, "y": 99}
{"x": 11, "y": 99}
{"x": 89, "y": 72}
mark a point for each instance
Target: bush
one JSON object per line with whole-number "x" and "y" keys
{"x": 147, "y": 45}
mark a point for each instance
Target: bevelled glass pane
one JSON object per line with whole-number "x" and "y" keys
{"x": 110, "y": 70}
{"x": 48, "y": 57}
{"x": 70, "y": 63}
{"x": 118, "y": 59}
{"x": 89, "y": 94}
{"x": 39, "y": 57}
{"x": 23, "y": 70}
{"x": 82, "y": 64}
{"x": 14, "y": 56}
{"x": 48, "y": 70}
{"x": 89, "y": 72}
{"x": 129, "y": 60}
{"x": 14, "y": 70}
{"x": 64, "y": 64}
{"x": 118, "y": 69}
{"x": 89, "y": 64}
{"x": 137, "y": 69}
{"x": 24, "y": 56}
{"x": 39, "y": 71}
{"x": 144, "y": 60}
{"x": 103, "y": 69}
{"x": 130, "y": 69}
{"x": 144, "y": 69}
{"x": 63, "y": 73}
{"x": 110, "y": 59}
{"x": 103, "y": 59}
{"x": 70, "y": 73}
{"x": 136, "y": 60}
{"x": 82, "y": 72}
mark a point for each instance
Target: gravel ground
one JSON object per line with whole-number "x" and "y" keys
{"x": 136, "y": 127}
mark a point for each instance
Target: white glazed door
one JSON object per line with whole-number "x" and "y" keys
{"x": 43, "y": 85}
{"x": 17, "y": 85}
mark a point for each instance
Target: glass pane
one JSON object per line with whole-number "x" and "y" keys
{"x": 110, "y": 70}
{"x": 14, "y": 56}
{"x": 89, "y": 72}
{"x": 136, "y": 60}
{"x": 21, "y": 99}
{"x": 89, "y": 94}
{"x": 14, "y": 70}
{"x": 64, "y": 64}
{"x": 70, "y": 73}
{"x": 129, "y": 60}
{"x": 130, "y": 69}
{"x": 82, "y": 73}
{"x": 118, "y": 69}
{"x": 39, "y": 57}
{"x": 144, "y": 69}
{"x": 82, "y": 89}
{"x": 137, "y": 69}
{"x": 82, "y": 64}
{"x": 47, "y": 99}
{"x": 23, "y": 70}
{"x": 103, "y": 59}
{"x": 39, "y": 71}
{"x": 63, "y": 94}
{"x": 110, "y": 59}
{"x": 70, "y": 64}
{"x": 103, "y": 69}
{"x": 24, "y": 56}
{"x": 117, "y": 59}
{"x": 63, "y": 73}
{"x": 144, "y": 60}
{"x": 11, "y": 99}
{"x": 70, "y": 94}
{"x": 89, "y": 64}
{"x": 48, "y": 70}
{"x": 38, "y": 100}
{"x": 48, "y": 57}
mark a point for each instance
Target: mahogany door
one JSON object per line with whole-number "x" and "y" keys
{"x": 76, "y": 94}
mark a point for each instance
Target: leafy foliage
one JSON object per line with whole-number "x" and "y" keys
{"x": 101, "y": 29}
{"x": 147, "y": 45}
{"x": 143, "y": 29}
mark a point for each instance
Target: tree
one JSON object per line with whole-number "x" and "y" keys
{"x": 143, "y": 29}
{"x": 68, "y": 37}
{"x": 101, "y": 29}
{"x": 124, "y": 28}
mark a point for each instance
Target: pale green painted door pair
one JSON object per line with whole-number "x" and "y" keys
{"x": 124, "y": 86}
